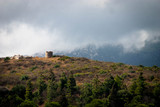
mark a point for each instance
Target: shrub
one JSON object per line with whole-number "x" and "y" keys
{"x": 52, "y": 104}
{"x": 64, "y": 58}
{"x": 28, "y": 103}
{"x": 96, "y": 103}
{"x": 124, "y": 75}
{"x": 81, "y": 74}
{"x": 33, "y": 68}
{"x": 96, "y": 67}
{"x": 6, "y": 59}
{"x": 141, "y": 66}
{"x": 102, "y": 71}
{"x": 132, "y": 71}
{"x": 13, "y": 71}
{"x": 85, "y": 67}
{"x": 120, "y": 64}
{"x": 19, "y": 90}
{"x": 151, "y": 77}
{"x": 130, "y": 67}
{"x": 24, "y": 77}
{"x": 56, "y": 66}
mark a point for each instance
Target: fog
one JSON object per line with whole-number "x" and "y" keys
{"x": 32, "y": 26}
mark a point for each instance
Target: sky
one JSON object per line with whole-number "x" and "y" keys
{"x": 32, "y": 26}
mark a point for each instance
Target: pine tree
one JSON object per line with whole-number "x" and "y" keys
{"x": 41, "y": 85}
{"x": 107, "y": 85}
{"x": 86, "y": 93}
{"x": 140, "y": 85}
{"x": 112, "y": 98}
{"x": 63, "y": 81}
{"x": 71, "y": 84}
{"x": 51, "y": 75}
{"x": 28, "y": 95}
{"x": 97, "y": 88}
{"x": 52, "y": 87}
{"x": 63, "y": 100}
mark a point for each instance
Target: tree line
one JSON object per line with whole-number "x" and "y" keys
{"x": 65, "y": 93}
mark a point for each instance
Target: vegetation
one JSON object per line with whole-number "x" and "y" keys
{"x": 86, "y": 84}
{"x": 24, "y": 77}
{"x": 6, "y": 59}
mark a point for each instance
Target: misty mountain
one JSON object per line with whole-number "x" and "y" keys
{"x": 148, "y": 55}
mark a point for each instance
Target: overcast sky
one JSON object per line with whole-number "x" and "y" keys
{"x": 31, "y": 26}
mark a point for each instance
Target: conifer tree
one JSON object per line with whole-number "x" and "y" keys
{"x": 52, "y": 87}
{"x": 71, "y": 84}
{"x": 112, "y": 98}
{"x": 28, "y": 95}
{"x": 63, "y": 81}
{"x": 86, "y": 93}
{"x": 50, "y": 90}
{"x": 140, "y": 85}
{"x": 41, "y": 85}
{"x": 51, "y": 75}
{"x": 107, "y": 85}
{"x": 97, "y": 88}
{"x": 63, "y": 100}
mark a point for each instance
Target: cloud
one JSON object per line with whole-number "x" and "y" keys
{"x": 31, "y": 26}
{"x": 27, "y": 40}
{"x": 134, "y": 41}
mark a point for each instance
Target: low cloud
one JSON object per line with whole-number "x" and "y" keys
{"x": 28, "y": 26}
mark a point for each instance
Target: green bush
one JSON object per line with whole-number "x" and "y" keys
{"x": 102, "y": 71}
{"x": 141, "y": 66}
{"x": 13, "y": 71}
{"x": 33, "y": 68}
{"x": 85, "y": 67}
{"x": 96, "y": 67}
{"x": 24, "y": 77}
{"x": 132, "y": 71}
{"x": 52, "y": 104}
{"x": 28, "y": 103}
{"x": 56, "y": 66}
{"x": 120, "y": 64}
{"x": 6, "y": 59}
{"x": 130, "y": 67}
{"x": 151, "y": 77}
{"x": 96, "y": 103}
{"x": 124, "y": 75}
{"x": 81, "y": 74}
{"x": 19, "y": 90}
{"x": 64, "y": 58}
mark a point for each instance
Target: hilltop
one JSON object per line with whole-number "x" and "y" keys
{"x": 84, "y": 69}
{"x": 13, "y": 71}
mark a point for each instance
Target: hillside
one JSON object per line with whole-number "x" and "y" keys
{"x": 13, "y": 72}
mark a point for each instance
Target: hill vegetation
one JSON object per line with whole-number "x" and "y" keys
{"x": 63, "y": 81}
